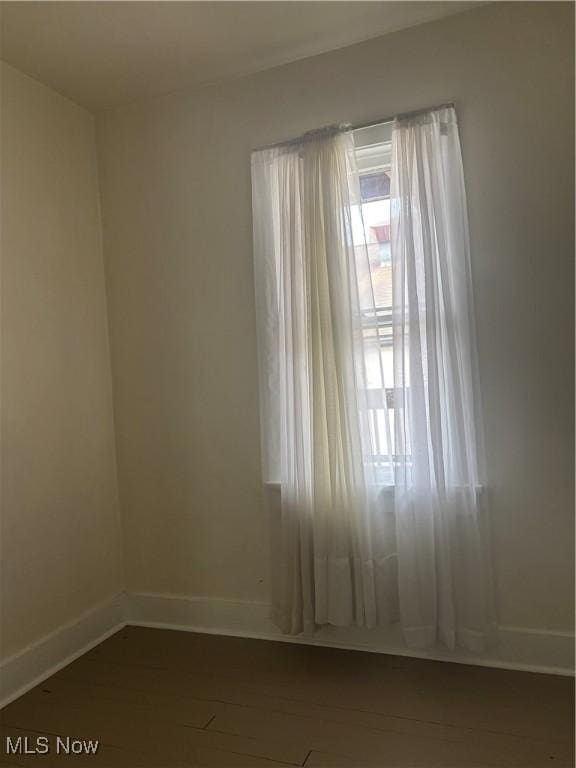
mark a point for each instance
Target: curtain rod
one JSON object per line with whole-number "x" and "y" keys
{"x": 359, "y": 126}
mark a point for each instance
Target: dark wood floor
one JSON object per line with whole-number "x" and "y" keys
{"x": 161, "y": 698}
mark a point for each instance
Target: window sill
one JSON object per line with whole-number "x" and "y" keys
{"x": 277, "y": 487}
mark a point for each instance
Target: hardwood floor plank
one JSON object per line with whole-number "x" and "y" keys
{"x": 116, "y": 757}
{"x": 177, "y": 710}
{"x": 328, "y": 760}
{"x": 217, "y": 758}
{"x": 362, "y": 744}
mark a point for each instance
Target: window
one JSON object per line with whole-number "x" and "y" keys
{"x": 371, "y": 237}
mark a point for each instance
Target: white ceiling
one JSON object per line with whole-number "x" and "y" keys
{"x": 101, "y": 54}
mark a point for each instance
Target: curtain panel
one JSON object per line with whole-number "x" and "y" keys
{"x": 312, "y": 387}
{"x": 442, "y": 525}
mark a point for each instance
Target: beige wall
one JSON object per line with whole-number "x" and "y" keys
{"x": 177, "y": 233}
{"x": 59, "y": 524}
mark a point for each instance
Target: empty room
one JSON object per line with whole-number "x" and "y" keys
{"x": 287, "y": 384}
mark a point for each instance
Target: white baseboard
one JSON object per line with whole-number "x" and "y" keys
{"x": 28, "y": 667}
{"x": 519, "y": 648}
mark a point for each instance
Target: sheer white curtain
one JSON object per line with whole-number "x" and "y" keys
{"x": 442, "y": 528}
{"x": 337, "y": 560}
{"x": 352, "y": 550}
